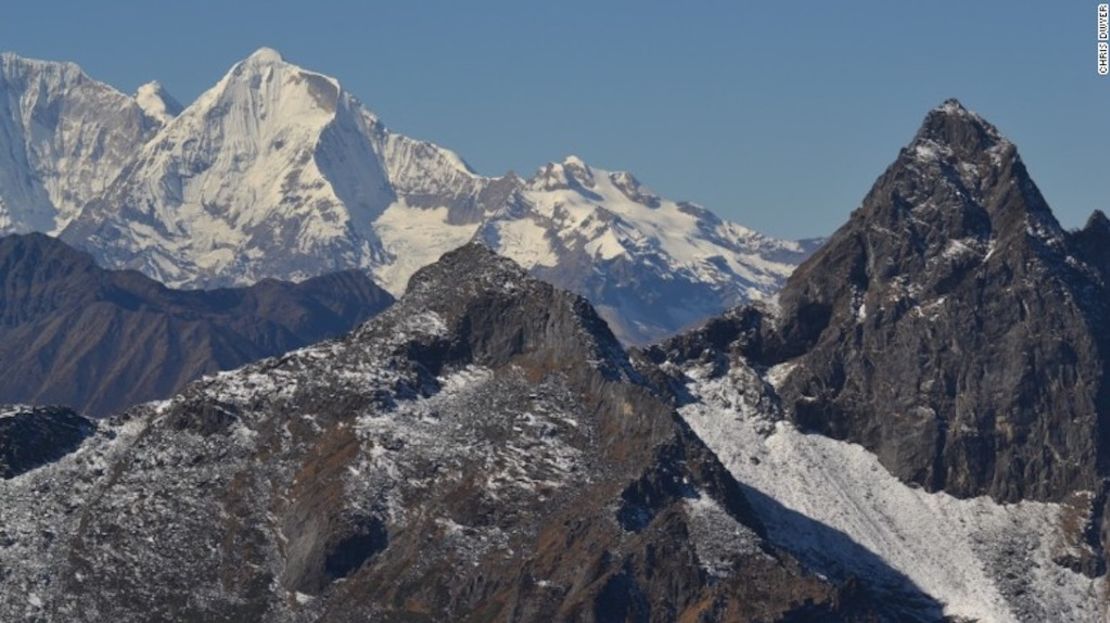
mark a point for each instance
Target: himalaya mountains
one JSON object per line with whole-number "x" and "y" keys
{"x": 917, "y": 430}
{"x": 279, "y": 172}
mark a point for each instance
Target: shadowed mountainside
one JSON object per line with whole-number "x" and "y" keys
{"x": 97, "y": 340}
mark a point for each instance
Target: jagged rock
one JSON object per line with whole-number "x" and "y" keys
{"x": 483, "y": 450}
{"x": 952, "y": 328}
{"x": 949, "y": 328}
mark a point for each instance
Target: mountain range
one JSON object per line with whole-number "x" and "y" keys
{"x": 279, "y": 172}
{"x": 915, "y": 430}
{"x": 99, "y": 341}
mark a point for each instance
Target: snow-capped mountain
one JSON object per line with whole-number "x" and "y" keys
{"x": 63, "y": 138}
{"x": 652, "y": 266}
{"x": 915, "y": 432}
{"x": 157, "y": 103}
{"x": 268, "y": 173}
{"x": 278, "y": 171}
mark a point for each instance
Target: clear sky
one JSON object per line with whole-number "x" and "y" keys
{"x": 777, "y": 115}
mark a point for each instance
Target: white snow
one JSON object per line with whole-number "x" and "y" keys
{"x": 528, "y": 240}
{"x": 834, "y": 502}
{"x": 606, "y": 215}
{"x": 400, "y": 228}
{"x": 277, "y": 171}
{"x": 67, "y": 137}
{"x": 156, "y": 103}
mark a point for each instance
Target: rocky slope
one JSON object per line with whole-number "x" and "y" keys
{"x": 958, "y": 335}
{"x": 953, "y": 327}
{"x": 73, "y": 333}
{"x": 63, "y": 138}
{"x": 278, "y": 171}
{"x": 483, "y": 450}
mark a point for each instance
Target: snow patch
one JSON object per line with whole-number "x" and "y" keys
{"x": 834, "y": 505}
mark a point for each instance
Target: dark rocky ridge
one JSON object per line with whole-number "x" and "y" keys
{"x": 951, "y": 326}
{"x": 481, "y": 451}
{"x": 34, "y": 436}
{"x": 99, "y": 341}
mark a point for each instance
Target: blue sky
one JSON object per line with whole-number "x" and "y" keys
{"x": 777, "y": 116}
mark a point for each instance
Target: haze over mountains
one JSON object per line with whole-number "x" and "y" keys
{"x": 277, "y": 171}
{"x": 916, "y": 432}
{"x": 98, "y": 341}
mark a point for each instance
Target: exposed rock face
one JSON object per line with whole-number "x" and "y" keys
{"x": 97, "y": 340}
{"x": 834, "y": 506}
{"x": 952, "y": 327}
{"x": 955, "y": 331}
{"x": 34, "y": 436}
{"x": 483, "y": 450}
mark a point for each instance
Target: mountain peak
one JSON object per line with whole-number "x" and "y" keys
{"x": 571, "y": 172}
{"x": 11, "y": 58}
{"x": 156, "y": 102}
{"x": 953, "y": 130}
{"x": 1098, "y": 222}
{"x": 574, "y": 161}
{"x": 472, "y": 262}
{"x": 265, "y": 55}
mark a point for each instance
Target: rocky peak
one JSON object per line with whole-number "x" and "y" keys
{"x": 571, "y": 173}
{"x": 464, "y": 455}
{"x": 1092, "y": 243}
{"x": 957, "y": 195}
{"x": 958, "y": 131}
{"x": 1096, "y": 227}
{"x": 472, "y": 265}
{"x": 633, "y": 189}
{"x": 948, "y": 328}
{"x": 499, "y": 312}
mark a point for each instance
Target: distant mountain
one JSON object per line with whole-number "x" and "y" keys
{"x": 481, "y": 451}
{"x": 63, "y": 138}
{"x": 279, "y": 172}
{"x": 72, "y": 333}
{"x": 650, "y": 265}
